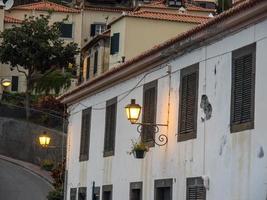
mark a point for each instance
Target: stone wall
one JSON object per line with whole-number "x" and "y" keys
{"x": 19, "y": 139}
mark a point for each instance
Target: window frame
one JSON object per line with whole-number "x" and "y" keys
{"x": 238, "y": 53}
{"x": 107, "y": 188}
{"x": 148, "y": 86}
{"x": 15, "y": 86}
{"x": 138, "y": 186}
{"x": 106, "y": 152}
{"x": 84, "y": 152}
{"x": 163, "y": 183}
{"x": 184, "y": 72}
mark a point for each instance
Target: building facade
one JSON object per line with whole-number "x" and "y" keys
{"x": 208, "y": 86}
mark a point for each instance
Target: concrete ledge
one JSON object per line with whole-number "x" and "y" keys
{"x": 30, "y": 167}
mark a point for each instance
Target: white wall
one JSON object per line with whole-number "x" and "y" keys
{"x": 232, "y": 161}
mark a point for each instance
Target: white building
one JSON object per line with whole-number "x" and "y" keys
{"x": 209, "y": 86}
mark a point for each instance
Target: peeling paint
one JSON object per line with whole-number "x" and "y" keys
{"x": 222, "y": 145}
{"x": 261, "y": 152}
{"x": 206, "y": 106}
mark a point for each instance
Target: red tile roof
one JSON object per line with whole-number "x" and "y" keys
{"x": 179, "y": 17}
{"x": 12, "y": 20}
{"x": 107, "y": 9}
{"x": 46, "y": 6}
{"x": 242, "y": 7}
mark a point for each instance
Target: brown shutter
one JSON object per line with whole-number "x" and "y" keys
{"x": 195, "y": 189}
{"x": 188, "y": 103}
{"x": 85, "y": 134}
{"x": 243, "y": 88}
{"x": 149, "y": 110}
{"x": 110, "y": 127}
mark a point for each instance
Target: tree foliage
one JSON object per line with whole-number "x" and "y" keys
{"x": 36, "y": 46}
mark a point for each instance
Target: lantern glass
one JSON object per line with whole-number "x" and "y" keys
{"x": 44, "y": 140}
{"x": 133, "y": 111}
{"x": 6, "y": 82}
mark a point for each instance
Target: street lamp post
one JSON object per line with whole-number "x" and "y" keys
{"x": 4, "y": 83}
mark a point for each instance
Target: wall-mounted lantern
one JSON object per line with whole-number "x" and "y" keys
{"x": 133, "y": 111}
{"x": 5, "y": 82}
{"x": 44, "y": 140}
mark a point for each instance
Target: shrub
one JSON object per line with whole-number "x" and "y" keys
{"x": 47, "y": 165}
{"x": 56, "y": 194}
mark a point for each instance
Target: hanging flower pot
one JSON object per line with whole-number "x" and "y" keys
{"x": 139, "y": 154}
{"x": 138, "y": 149}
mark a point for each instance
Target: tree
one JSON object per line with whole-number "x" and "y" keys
{"x": 36, "y": 46}
{"x": 224, "y": 5}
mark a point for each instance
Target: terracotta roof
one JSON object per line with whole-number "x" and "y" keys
{"x": 242, "y": 7}
{"x": 162, "y": 5}
{"x": 46, "y": 6}
{"x": 179, "y": 17}
{"x": 107, "y": 9}
{"x": 12, "y": 20}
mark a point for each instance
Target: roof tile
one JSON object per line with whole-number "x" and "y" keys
{"x": 12, "y": 20}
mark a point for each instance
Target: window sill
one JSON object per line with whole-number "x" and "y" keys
{"x": 235, "y": 128}
{"x": 108, "y": 153}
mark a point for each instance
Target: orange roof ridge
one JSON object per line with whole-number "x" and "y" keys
{"x": 46, "y": 6}
{"x": 12, "y": 20}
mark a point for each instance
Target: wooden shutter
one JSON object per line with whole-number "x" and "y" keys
{"x": 15, "y": 83}
{"x": 73, "y": 193}
{"x": 92, "y": 30}
{"x": 115, "y": 43}
{"x": 82, "y": 193}
{"x": 95, "y": 62}
{"x": 195, "y": 189}
{"x": 188, "y": 103}
{"x": 88, "y": 68}
{"x": 85, "y": 134}
{"x": 243, "y": 88}
{"x": 149, "y": 111}
{"x": 110, "y": 127}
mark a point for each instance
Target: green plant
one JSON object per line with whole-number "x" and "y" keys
{"x": 47, "y": 165}
{"x": 138, "y": 146}
{"x": 56, "y": 194}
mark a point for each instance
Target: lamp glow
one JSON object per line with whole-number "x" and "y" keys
{"x": 44, "y": 140}
{"x": 6, "y": 82}
{"x": 133, "y": 111}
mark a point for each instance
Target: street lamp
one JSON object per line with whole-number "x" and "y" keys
{"x": 133, "y": 111}
{"x": 6, "y": 82}
{"x": 44, "y": 139}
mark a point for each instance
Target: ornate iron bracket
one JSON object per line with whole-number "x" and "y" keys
{"x": 153, "y": 128}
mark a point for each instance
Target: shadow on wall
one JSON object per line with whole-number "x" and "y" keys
{"x": 19, "y": 140}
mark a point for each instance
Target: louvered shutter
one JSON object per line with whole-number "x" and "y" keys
{"x": 110, "y": 127}
{"x": 95, "y": 62}
{"x": 243, "y": 89}
{"x": 188, "y": 103}
{"x": 115, "y": 43}
{"x": 149, "y": 110}
{"x": 85, "y": 134}
{"x": 73, "y": 193}
{"x": 92, "y": 31}
{"x": 195, "y": 189}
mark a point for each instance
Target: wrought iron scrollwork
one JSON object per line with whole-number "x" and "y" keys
{"x": 162, "y": 139}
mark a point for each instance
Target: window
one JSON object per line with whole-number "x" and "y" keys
{"x": 115, "y": 43}
{"x": 136, "y": 191}
{"x": 188, "y": 103}
{"x": 195, "y": 189}
{"x": 88, "y": 68}
{"x": 163, "y": 189}
{"x": 15, "y": 83}
{"x": 85, "y": 134}
{"x": 97, "y": 29}
{"x": 95, "y": 62}
{"x": 65, "y": 30}
{"x": 107, "y": 192}
{"x": 110, "y": 127}
{"x": 175, "y": 3}
{"x": 73, "y": 193}
{"x": 149, "y": 111}
{"x": 243, "y": 88}
{"x": 96, "y": 193}
{"x": 82, "y": 193}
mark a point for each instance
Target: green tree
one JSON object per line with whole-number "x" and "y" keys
{"x": 36, "y": 46}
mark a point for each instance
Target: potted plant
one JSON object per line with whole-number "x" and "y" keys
{"x": 138, "y": 149}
